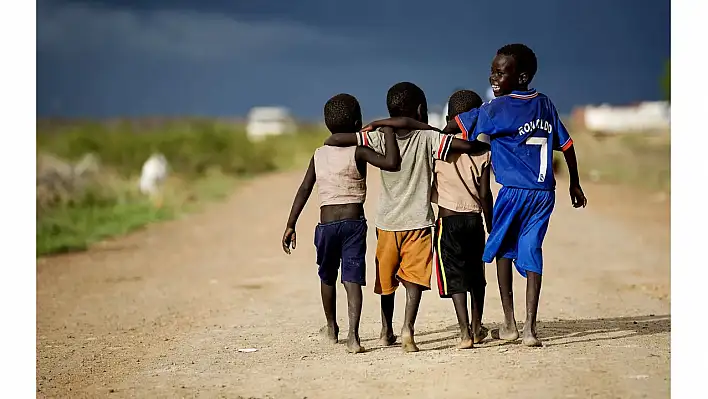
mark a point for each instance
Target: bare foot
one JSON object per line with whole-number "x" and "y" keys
{"x": 408, "y": 344}
{"x": 466, "y": 340}
{"x": 387, "y": 338}
{"x": 506, "y": 333}
{"x": 530, "y": 339}
{"x": 331, "y": 332}
{"x": 480, "y": 335}
{"x": 466, "y": 344}
{"x": 353, "y": 345}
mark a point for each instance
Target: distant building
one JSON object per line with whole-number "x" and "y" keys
{"x": 269, "y": 121}
{"x": 644, "y": 116}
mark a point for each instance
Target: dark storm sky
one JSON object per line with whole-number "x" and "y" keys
{"x": 176, "y": 57}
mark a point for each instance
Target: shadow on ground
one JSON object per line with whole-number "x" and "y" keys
{"x": 565, "y": 332}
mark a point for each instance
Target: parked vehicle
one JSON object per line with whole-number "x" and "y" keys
{"x": 268, "y": 121}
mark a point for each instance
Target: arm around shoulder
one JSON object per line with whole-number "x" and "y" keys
{"x": 391, "y": 161}
{"x": 399, "y": 122}
{"x": 342, "y": 140}
{"x": 474, "y": 147}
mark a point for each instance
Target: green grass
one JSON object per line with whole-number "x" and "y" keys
{"x": 74, "y": 229}
{"x": 207, "y": 160}
{"x": 117, "y": 209}
{"x": 191, "y": 146}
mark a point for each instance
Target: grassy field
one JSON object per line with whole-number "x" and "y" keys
{"x": 207, "y": 160}
{"x": 639, "y": 160}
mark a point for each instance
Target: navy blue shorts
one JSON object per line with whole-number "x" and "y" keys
{"x": 341, "y": 242}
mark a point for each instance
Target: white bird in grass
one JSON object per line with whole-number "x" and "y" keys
{"x": 153, "y": 176}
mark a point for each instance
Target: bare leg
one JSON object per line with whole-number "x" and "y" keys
{"x": 533, "y": 293}
{"x": 413, "y": 295}
{"x": 354, "y": 300}
{"x": 329, "y": 303}
{"x": 460, "y": 302}
{"x": 387, "y": 336}
{"x": 508, "y": 331}
{"x": 479, "y": 332}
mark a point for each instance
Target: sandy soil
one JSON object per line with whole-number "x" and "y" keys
{"x": 164, "y": 312}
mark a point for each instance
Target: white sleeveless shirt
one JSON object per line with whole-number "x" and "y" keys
{"x": 338, "y": 178}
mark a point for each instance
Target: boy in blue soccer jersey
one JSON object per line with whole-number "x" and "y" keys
{"x": 523, "y": 129}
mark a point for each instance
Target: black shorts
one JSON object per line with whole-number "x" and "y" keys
{"x": 458, "y": 246}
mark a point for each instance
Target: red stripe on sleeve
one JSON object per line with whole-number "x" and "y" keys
{"x": 567, "y": 144}
{"x": 461, "y": 125}
{"x": 443, "y": 143}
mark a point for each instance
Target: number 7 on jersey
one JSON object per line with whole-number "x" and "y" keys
{"x": 543, "y": 142}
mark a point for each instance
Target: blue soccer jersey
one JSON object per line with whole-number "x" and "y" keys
{"x": 523, "y": 129}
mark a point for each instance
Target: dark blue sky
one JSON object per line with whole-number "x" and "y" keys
{"x": 178, "y": 57}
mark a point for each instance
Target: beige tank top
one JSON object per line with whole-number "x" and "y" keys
{"x": 338, "y": 179}
{"x": 457, "y": 182}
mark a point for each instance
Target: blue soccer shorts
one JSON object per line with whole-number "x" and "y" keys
{"x": 519, "y": 224}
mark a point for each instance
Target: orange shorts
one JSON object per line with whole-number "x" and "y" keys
{"x": 403, "y": 255}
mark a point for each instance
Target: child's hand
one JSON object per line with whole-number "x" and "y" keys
{"x": 376, "y": 125}
{"x": 288, "y": 238}
{"x": 369, "y": 127}
{"x": 577, "y": 197}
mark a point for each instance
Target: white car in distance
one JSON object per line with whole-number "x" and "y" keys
{"x": 269, "y": 121}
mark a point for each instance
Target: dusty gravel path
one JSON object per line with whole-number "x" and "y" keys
{"x": 163, "y": 312}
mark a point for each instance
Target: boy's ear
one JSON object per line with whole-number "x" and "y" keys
{"x": 523, "y": 78}
{"x": 357, "y": 125}
{"x": 422, "y": 113}
{"x": 447, "y": 118}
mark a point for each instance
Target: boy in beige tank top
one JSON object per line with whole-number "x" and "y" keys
{"x": 461, "y": 189}
{"x": 340, "y": 237}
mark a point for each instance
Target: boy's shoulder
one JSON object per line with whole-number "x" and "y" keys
{"x": 495, "y": 105}
{"x": 411, "y": 135}
{"x": 503, "y": 104}
{"x": 513, "y": 98}
{"x": 425, "y": 133}
{"x": 333, "y": 150}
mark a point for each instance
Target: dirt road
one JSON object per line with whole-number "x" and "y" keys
{"x": 163, "y": 312}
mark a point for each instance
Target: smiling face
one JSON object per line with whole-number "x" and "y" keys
{"x": 505, "y": 76}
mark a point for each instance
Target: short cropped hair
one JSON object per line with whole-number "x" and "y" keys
{"x": 462, "y": 101}
{"x": 524, "y": 56}
{"x": 341, "y": 114}
{"x": 404, "y": 98}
